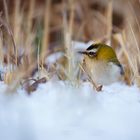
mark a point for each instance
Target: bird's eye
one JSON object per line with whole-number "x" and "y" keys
{"x": 92, "y": 54}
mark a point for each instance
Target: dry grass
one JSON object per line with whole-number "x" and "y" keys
{"x": 59, "y": 23}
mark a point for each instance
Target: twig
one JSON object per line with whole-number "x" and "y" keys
{"x": 30, "y": 88}
{"x": 98, "y": 88}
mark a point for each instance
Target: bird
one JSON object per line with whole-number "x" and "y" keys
{"x": 102, "y": 64}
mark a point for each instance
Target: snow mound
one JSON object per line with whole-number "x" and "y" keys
{"x": 60, "y": 111}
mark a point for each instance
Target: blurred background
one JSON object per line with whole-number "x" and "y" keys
{"x": 33, "y": 28}
{"x": 92, "y": 19}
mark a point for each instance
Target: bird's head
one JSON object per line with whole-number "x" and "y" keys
{"x": 100, "y": 52}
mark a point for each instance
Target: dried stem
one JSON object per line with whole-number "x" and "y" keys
{"x": 98, "y": 88}
{"x": 45, "y": 40}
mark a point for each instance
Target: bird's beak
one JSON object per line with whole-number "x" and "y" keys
{"x": 82, "y": 52}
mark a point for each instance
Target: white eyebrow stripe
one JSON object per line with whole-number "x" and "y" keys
{"x": 93, "y": 50}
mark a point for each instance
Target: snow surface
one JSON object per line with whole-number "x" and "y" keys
{"x": 60, "y": 111}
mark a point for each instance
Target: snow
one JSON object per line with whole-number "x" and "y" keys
{"x": 59, "y": 111}
{"x": 54, "y": 57}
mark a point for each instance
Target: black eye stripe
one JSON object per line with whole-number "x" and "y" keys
{"x": 91, "y": 53}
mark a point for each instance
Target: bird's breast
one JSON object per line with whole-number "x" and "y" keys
{"x": 103, "y": 72}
